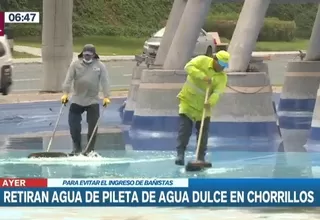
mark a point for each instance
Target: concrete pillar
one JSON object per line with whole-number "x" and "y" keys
{"x": 132, "y": 94}
{"x": 186, "y": 36}
{"x": 298, "y": 97}
{"x": 246, "y": 33}
{"x": 244, "y": 118}
{"x": 313, "y": 143}
{"x": 313, "y": 52}
{"x": 57, "y": 42}
{"x": 171, "y": 27}
{"x": 297, "y": 102}
{"x": 155, "y": 121}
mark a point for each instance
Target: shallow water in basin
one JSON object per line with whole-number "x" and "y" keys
{"x": 157, "y": 164}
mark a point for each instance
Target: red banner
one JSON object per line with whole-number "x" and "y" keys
{"x": 1, "y": 23}
{"x": 22, "y": 182}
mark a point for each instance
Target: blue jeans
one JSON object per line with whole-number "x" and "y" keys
{"x": 75, "y": 118}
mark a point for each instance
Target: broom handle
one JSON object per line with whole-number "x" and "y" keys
{"x": 202, "y": 123}
{"x": 94, "y": 130}
{"x": 55, "y": 128}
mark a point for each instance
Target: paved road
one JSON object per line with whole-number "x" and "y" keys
{"x": 27, "y": 77}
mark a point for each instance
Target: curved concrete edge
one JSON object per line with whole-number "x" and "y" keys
{"x": 313, "y": 142}
{"x": 155, "y": 121}
{"x": 157, "y": 94}
{"x": 156, "y": 110}
{"x": 45, "y": 97}
{"x": 313, "y": 146}
{"x": 297, "y": 103}
{"x": 243, "y": 137}
{"x": 132, "y": 95}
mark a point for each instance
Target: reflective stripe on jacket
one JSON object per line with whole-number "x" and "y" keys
{"x": 192, "y": 94}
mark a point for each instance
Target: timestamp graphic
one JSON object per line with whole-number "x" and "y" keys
{"x": 21, "y": 17}
{"x": 17, "y": 17}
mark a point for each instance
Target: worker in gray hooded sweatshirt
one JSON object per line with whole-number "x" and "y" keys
{"x": 86, "y": 74}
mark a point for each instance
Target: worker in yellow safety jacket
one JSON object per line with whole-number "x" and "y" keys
{"x": 203, "y": 72}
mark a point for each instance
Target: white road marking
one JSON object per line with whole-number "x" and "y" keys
{"x": 25, "y": 80}
{"x": 36, "y": 90}
{"x": 120, "y": 86}
{"x": 25, "y": 90}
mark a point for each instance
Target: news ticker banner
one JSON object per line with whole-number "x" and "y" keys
{"x": 161, "y": 192}
{"x": 17, "y": 17}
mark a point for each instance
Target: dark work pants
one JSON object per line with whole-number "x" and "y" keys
{"x": 185, "y": 132}
{"x": 75, "y": 117}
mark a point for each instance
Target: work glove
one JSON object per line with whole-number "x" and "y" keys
{"x": 106, "y": 102}
{"x": 64, "y": 99}
{"x": 207, "y": 79}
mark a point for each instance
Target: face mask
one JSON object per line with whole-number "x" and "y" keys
{"x": 87, "y": 58}
{"x": 87, "y": 61}
{"x": 222, "y": 64}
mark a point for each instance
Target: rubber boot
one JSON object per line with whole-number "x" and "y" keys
{"x": 185, "y": 131}
{"x": 90, "y": 148}
{"x": 74, "y": 120}
{"x": 180, "y": 158}
{"x": 76, "y": 151}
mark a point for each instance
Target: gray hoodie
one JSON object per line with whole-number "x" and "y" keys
{"x": 86, "y": 80}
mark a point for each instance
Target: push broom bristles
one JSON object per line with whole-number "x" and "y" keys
{"x": 47, "y": 155}
{"x": 194, "y": 166}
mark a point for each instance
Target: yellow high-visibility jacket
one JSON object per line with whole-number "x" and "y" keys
{"x": 192, "y": 94}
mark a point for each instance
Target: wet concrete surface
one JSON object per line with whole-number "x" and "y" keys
{"x": 41, "y": 116}
{"x": 20, "y": 118}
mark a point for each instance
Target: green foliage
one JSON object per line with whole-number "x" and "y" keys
{"x": 302, "y": 14}
{"x": 276, "y": 30}
{"x": 104, "y": 17}
{"x": 109, "y": 30}
{"x": 273, "y": 28}
{"x": 225, "y": 27}
{"x": 119, "y": 17}
{"x": 27, "y": 30}
{"x": 137, "y": 18}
